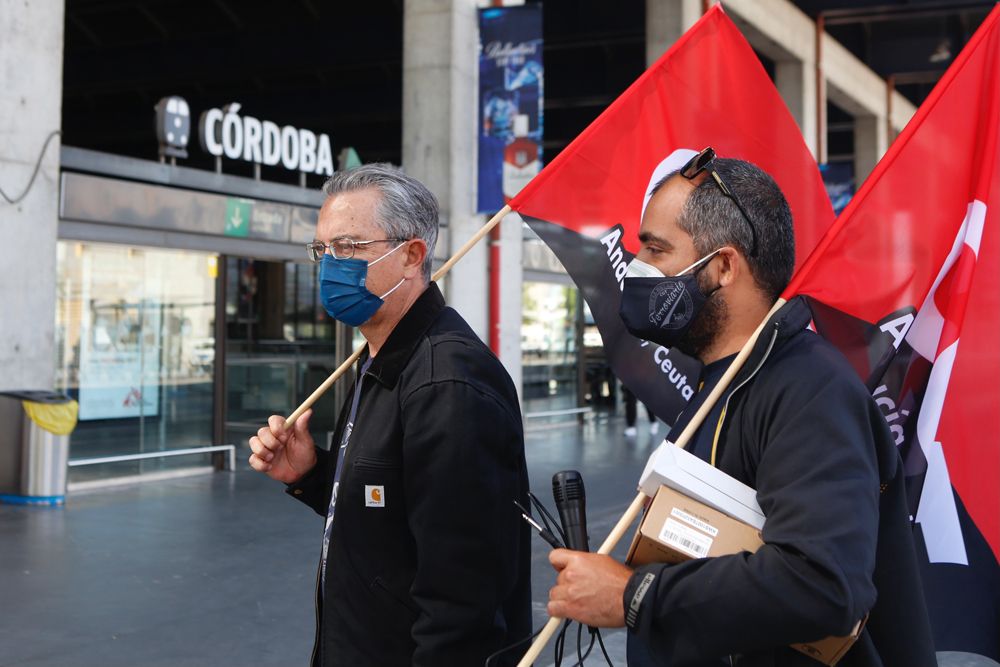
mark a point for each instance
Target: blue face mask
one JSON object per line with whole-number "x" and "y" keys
{"x": 342, "y": 289}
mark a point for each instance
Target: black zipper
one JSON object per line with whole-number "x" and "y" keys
{"x": 316, "y": 639}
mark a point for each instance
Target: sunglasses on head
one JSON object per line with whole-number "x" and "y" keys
{"x": 705, "y": 161}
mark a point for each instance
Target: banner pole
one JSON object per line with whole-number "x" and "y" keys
{"x": 445, "y": 268}
{"x": 635, "y": 508}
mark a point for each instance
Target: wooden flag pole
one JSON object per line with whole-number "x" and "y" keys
{"x": 445, "y": 268}
{"x": 633, "y": 511}
{"x": 473, "y": 240}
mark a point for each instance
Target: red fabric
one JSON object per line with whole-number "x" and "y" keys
{"x": 709, "y": 89}
{"x": 887, "y": 248}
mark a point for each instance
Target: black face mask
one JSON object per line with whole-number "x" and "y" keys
{"x": 661, "y": 309}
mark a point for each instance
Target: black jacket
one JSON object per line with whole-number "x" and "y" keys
{"x": 801, "y": 429}
{"x": 439, "y": 576}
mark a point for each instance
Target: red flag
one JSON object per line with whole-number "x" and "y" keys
{"x": 708, "y": 89}
{"x": 914, "y": 260}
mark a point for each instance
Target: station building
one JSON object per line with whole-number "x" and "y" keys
{"x": 171, "y": 294}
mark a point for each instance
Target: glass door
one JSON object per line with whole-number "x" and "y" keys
{"x": 549, "y": 355}
{"x": 280, "y": 345}
{"x": 135, "y": 346}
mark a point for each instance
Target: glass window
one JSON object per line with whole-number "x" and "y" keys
{"x": 548, "y": 346}
{"x": 136, "y": 347}
{"x": 307, "y": 300}
{"x": 291, "y": 276}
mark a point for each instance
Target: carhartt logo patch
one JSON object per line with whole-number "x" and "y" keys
{"x": 374, "y": 496}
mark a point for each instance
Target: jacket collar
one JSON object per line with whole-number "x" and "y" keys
{"x": 790, "y": 319}
{"x": 390, "y": 361}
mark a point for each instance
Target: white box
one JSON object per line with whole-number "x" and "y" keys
{"x": 669, "y": 465}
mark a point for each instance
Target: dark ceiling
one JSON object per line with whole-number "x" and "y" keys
{"x": 299, "y": 63}
{"x": 912, "y": 41}
{"x": 336, "y": 67}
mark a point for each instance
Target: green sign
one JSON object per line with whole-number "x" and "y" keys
{"x": 238, "y": 216}
{"x": 348, "y": 159}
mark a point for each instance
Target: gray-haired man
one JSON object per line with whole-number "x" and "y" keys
{"x": 424, "y": 561}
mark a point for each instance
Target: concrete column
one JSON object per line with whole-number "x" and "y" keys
{"x": 511, "y": 284}
{"x": 30, "y": 110}
{"x": 440, "y": 75}
{"x": 796, "y": 82}
{"x": 666, "y": 20}
{"x": 870, "y": 144}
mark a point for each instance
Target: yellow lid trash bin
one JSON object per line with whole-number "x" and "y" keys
{"x": 46, "y": 420}
{"x": 56, "y": 418}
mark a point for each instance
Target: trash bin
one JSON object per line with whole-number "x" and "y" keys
{"x": 34, "y": 446}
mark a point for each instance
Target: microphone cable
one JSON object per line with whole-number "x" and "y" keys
{"x": 555, "y": 527}
{"x": 493, "y": 656}
{"x": 559, "y": 648}
{"x": 607, "y": 658}
{"x": 550, "y": 522}
{"x": 595, "y": 636}
{"x": 579, "y": 633}
{"x": 581, "y": 656}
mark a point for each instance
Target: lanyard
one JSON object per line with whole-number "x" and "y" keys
{"x": 344, "y": 439}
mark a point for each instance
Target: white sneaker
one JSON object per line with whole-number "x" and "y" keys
{"x": 654, "y": 428}
{"x": 630, "y": 432}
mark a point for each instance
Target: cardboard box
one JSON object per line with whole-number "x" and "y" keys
{"x": 676, "y": 528}
{"x": 829, "y": 651}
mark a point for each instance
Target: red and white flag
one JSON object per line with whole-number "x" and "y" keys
{"x": 907, "y": 284}
{"x": 709, "y": 89}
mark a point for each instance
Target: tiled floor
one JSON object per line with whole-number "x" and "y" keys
{"x": 219, "y": 569}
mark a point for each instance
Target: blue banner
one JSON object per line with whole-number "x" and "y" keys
{"x": 511, "y": 80}
{"x": 838, "y": 177}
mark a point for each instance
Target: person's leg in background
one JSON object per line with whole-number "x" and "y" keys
{"x": 630, "y": 411}
{"x": 654, "y": 424}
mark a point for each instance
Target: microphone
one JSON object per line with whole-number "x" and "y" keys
{"x": 571, "y": 501}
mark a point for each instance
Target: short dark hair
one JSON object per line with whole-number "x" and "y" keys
{"x": 713, "y": 220}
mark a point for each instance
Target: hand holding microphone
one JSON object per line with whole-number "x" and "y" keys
{"x": 589, "y": 587}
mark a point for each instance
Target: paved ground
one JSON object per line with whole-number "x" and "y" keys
{"x": 219, "y": 569}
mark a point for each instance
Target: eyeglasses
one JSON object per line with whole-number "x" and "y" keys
{"x": 342, "y": 248}
{"x": 704, "y": 161}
